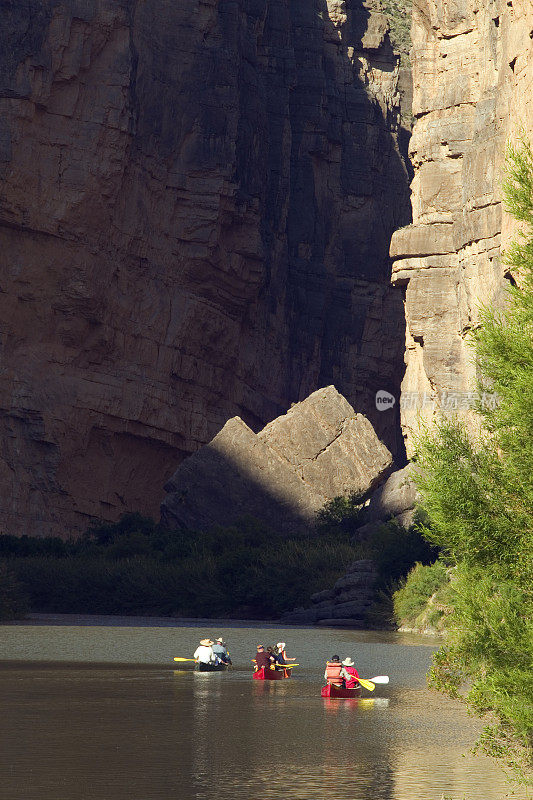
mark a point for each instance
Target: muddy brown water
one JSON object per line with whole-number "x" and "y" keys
{"x": 98, "y": 712}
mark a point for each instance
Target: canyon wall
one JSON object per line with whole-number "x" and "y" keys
{"x": 472, "y": 66}
{"x": 196, "y": 204}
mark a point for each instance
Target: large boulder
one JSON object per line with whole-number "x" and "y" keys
{"x": 282, "y": 475}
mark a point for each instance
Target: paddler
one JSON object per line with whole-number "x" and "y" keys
{"x": 334, "y": 671}
{"x": 204, "y": 652}
{"x": 281, "y": 654}
{"x": 220, "y": 651}
{"x": 262, "y": 658}
{"x": 350, "y": 674}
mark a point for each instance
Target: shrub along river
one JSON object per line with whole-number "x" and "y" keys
{"x": 97, "y": 712}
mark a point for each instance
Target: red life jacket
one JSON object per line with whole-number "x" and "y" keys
{"x": 353, "y": 683}
{"x": 333, "y": 673}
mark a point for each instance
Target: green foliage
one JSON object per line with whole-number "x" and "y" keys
{"x": 399, "y": 16}
{"x": 478, "y": 494}
{"x": 13, "y": 602}
{"x": 395, "y": 550}
{"x": 342, "y": 514}
{"x": 138, "y": 567}
{"x": 411, "y": 599}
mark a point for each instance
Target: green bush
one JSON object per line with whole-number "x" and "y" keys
{"x": 411, "y": 599}
{"x": 395, "y": 550}
{"x": 138, "y": 567}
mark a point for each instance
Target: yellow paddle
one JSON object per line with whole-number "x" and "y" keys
{"x": 367, "y": 684}
{"x": 183, "y": 659}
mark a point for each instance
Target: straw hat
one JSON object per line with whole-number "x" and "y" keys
{"x": 348, "y": 662}
{"x": 206, "y": 642}
{"x": 220, "y": 639}
{"x": 281, "y": 645}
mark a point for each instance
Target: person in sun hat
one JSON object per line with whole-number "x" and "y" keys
{"x": 204, "y": 652}
{"x": 220, "y": 651}
{"x": 350, "y": 674}
{"x": 281, "y": 655}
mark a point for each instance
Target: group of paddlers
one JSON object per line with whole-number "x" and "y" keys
{"x": 271, "y": 657}
{"x": 212, "y": 652}
{"x": 341, "y": 673}
{"x": 338, "y": 673}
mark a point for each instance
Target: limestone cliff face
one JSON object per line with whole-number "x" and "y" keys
{"x": 473, "y": 89}
{"x": 196, "y": 203}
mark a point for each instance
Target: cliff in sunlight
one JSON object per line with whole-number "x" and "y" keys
{"x": 472, "y": 64}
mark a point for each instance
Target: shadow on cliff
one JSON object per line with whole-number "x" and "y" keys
{"x": 333, "y": 199}
{"x": 349, "y": 190}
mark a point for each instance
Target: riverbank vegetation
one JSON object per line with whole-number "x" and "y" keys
{"x": 423, "y": 599}
{"x": 477, "y": 492}
{"x": 138, "y": 567}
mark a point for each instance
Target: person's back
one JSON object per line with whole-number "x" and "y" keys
{"x": 350, "y": 674}
{"x": 220, "y": 651}
{"x": 333, "y": 673}
{"x": 262, "y": 659}
{"x": 204, "y": 652}
{"x": 282, "y": 657}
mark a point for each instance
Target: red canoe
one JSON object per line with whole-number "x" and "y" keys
{"x": 339, "y": 691}
{"x": 271, "y": 674}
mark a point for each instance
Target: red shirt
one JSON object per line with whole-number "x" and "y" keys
{"x": 352, "y": 683}
{"x": 262, "y": 659}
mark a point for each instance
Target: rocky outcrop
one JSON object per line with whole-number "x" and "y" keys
{"x": 394, "y": 501}
{"x": 281, "y": 476}
{"x": 196, "y": 203}
{"x": 343, "y": 606}
{"x": 347, "y": 604}
{"x": 473, "y": 89}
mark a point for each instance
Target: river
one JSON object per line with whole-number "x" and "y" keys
{"x": 98, "y": 712}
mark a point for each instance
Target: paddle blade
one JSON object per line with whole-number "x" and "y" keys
{"x": 176, "y": 658}
{"x": 290, "y": 666}
{"x": 380, "y": 679}
{"x": 367, "y": 684}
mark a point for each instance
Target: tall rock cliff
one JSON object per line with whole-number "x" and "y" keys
{"x": 473, "y": 90}
{"x": 196, "y": 204}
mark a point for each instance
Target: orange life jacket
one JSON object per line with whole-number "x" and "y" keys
{"x": 333, "y": 673}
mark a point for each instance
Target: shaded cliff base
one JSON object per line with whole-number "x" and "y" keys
{"x": 300, "y": 516}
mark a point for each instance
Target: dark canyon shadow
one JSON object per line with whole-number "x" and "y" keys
{"x": 346, "y": 191}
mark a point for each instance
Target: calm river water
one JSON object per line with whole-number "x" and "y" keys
{"x": 97, "y": 712}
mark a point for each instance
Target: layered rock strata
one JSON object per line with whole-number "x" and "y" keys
{"x": 196, "y": 203}
{"x": 473, "y": 89}
{"x": 281, "y": 476}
